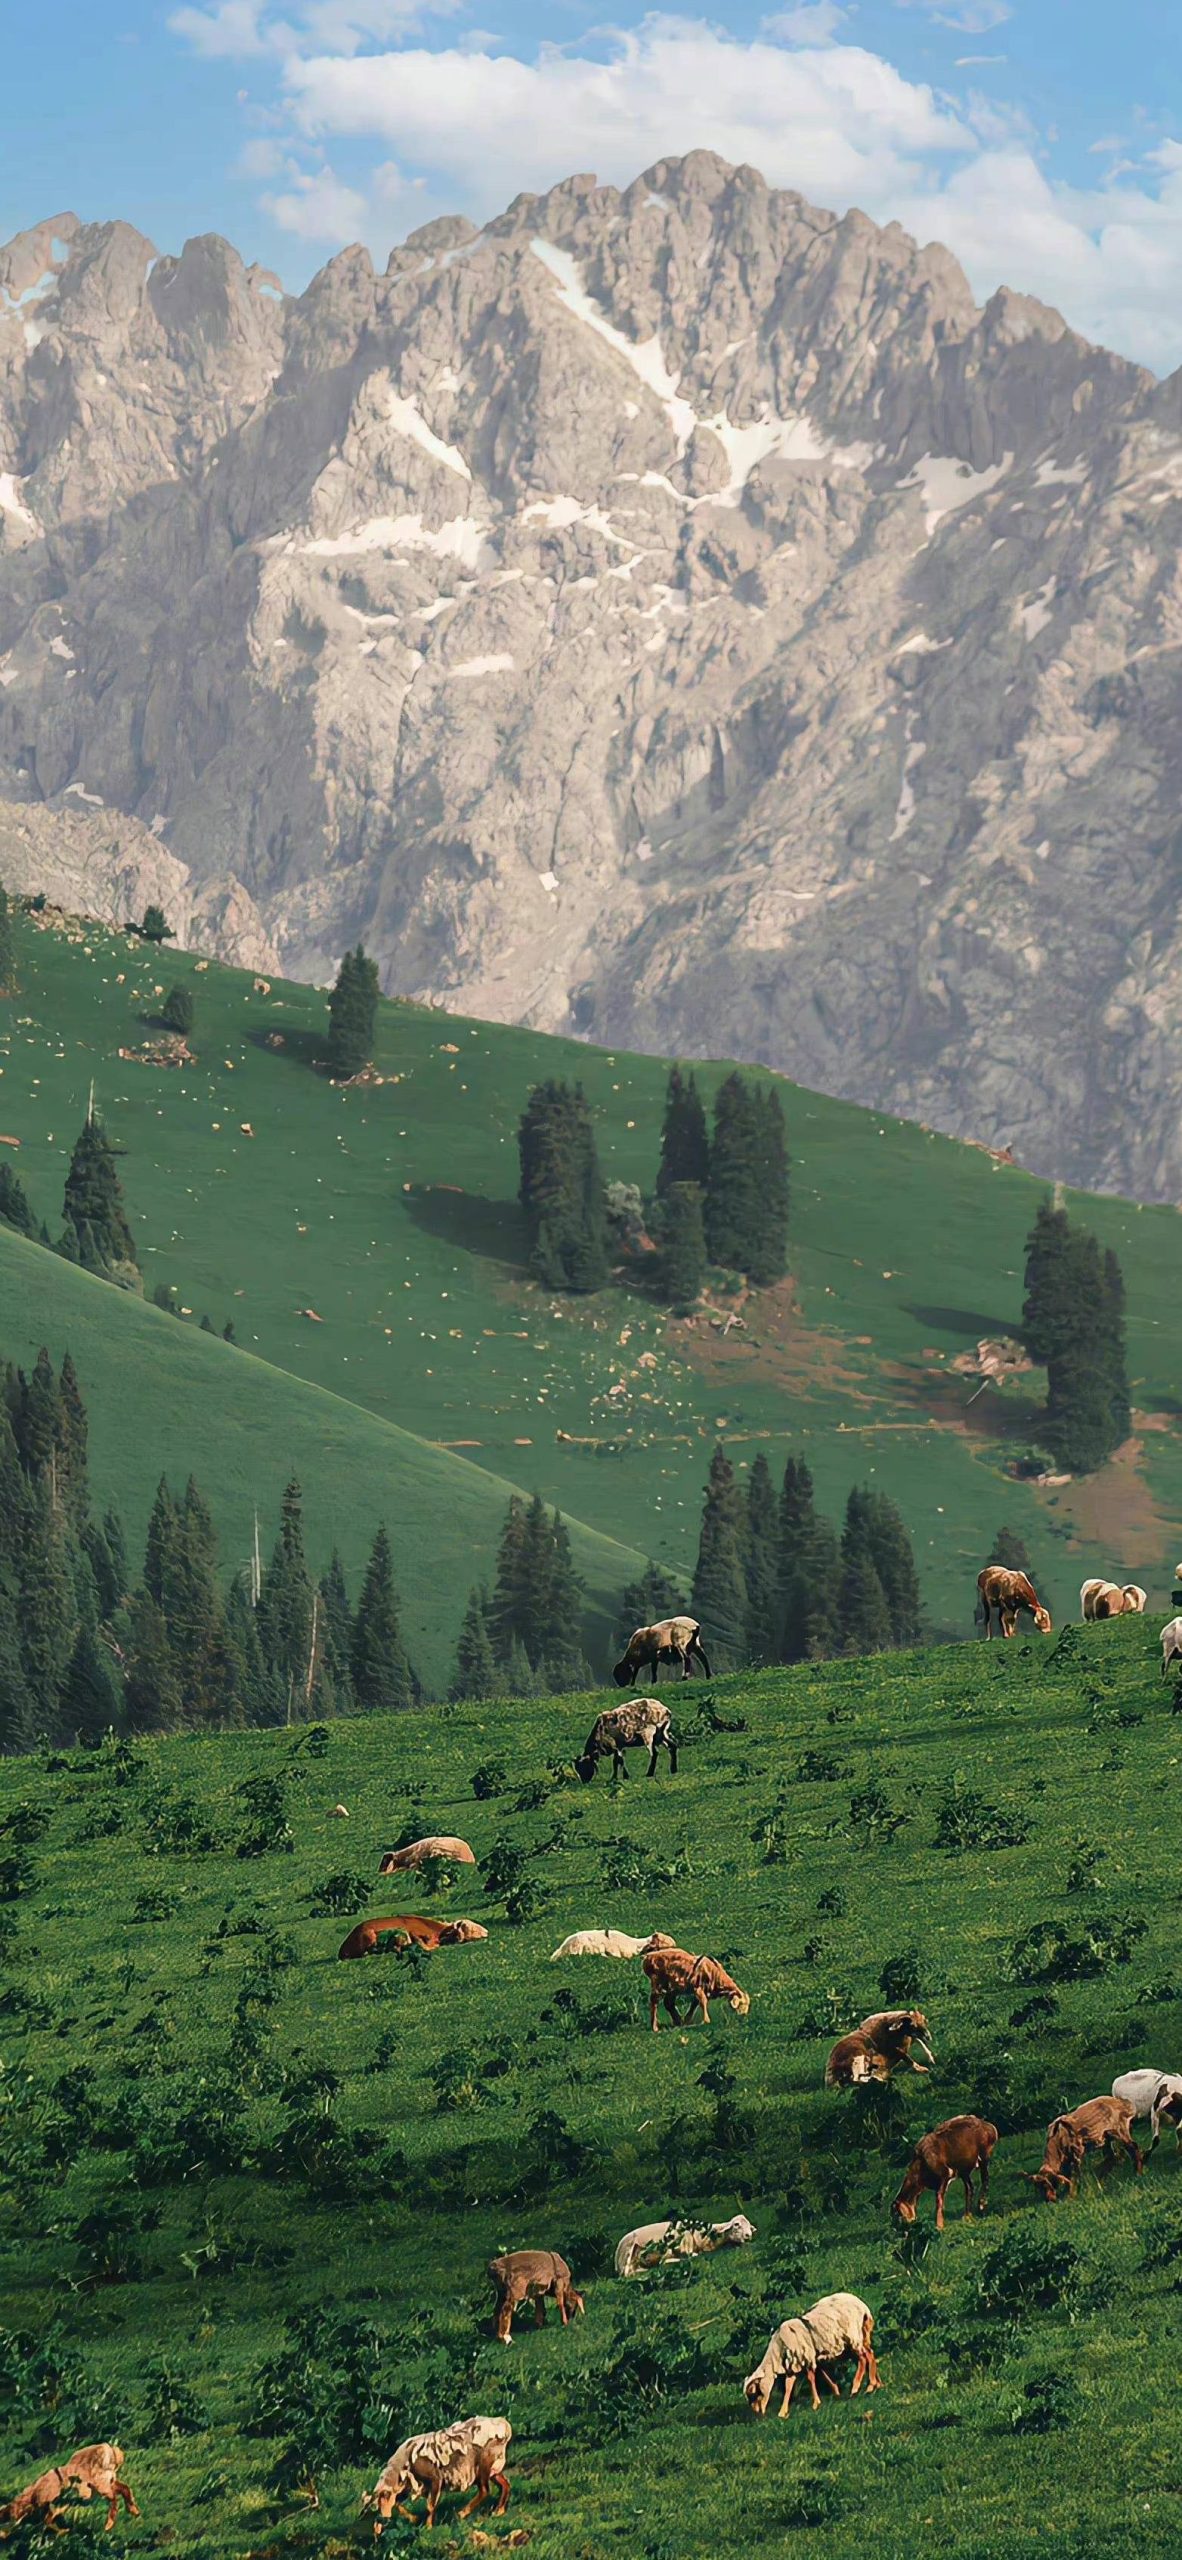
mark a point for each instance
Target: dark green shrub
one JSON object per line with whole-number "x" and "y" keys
{"x": 175, "y": 1825}
{"x": 1050, "y": 2400}
{"x": 1048, "y": 1953}
{"x": 1029, "y": 2269}
{"x": 340, "y": 1896}
{"x": 901, "y": 1979}
{"x": 489, "y": 1780}
{"x": 171, "y": 2408}
{"x": 18, "y": 1875}
{"x": 154, "y": 1903}
{"x": 818, "y": 1768}
{"x": 965, "y": 1820}
{"x": 25, "y": 1825}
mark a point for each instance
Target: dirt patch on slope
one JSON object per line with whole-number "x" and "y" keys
{"x": 1115, "y": 1509}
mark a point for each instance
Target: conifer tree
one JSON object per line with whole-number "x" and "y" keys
{"x": 14, "y": 1205}
{"x": 382, "y": 1676}
{"x": 814, "y": 1603}
{"x": 152, "y": 1695}
{"x": 863, "y": 1618}
{"x": 107, "y": 1585}
{"x": 653, "y": 1595}
{"x": 73, "y": 1440}
{"x": 47, "y": 1609}
{"x": 20, "y": 1729}
{"x": 192, "y": 1608}
{"x": 91, "y": 1700}
{"x": 154, "y": 927}
{"x": 1073, "y": 1321}
{"x": 561, "y": 1189}
{"x": 685, "y": 1147}
{"x": 893, "y": 1558}
{"x": 563, "y": 1659}
{"x": 336, "y": 1633}
{"x": 761, "y": 1559}
{"x": 97, "y": 1233}
{"x": 7, "y": 946}
{"x": 719, "y": 1595}
{"x": 262, "y": 1698}
{"x": 747, "y": 1193}
{"x": 160, "y": 1549}
{"x": 767, "y": 1259}
{"x": 682, "y": 1264}
{"x": 475, "y": 1674}
{"x": 40, "y": 1426}
{"x": 1046, "y": 1307}
{"x": 116, "y": 1546}
{"x": 1011, "y": 1550}
{"x": 285, "y": 1604}
{"x": 352, "y": 1015}
{"x": 178, "y": 1010}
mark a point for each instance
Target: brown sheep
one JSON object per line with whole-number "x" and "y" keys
{"x": 532, "y": 2273}
{"x": 878, "y": 2048}
{"x": 962, "y": 2148}
{"x": 1099, "y": 2123}
{"x": 1100, "y": 1599}
{"x": 93, "y": 2472}
{"x": 469, "y": 2455}
{"x": 674, "y": 1975}
{"x": 428, "y": 1934}
{"x": 640, "y": 1724}
{"x": 417, "y": 1853}
{"x": 1008, "y": 1593}
{"x": 670, "y": 1640}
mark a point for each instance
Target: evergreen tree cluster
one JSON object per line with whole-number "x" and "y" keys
{"x": 85, "y": 1649}
{"x": 722, "y": 1197}
{"x": 1073, "y": 1324}
{"x": 561, "y": 1189}
{"x": 97, "y": 1234}
{"x": 773, "y": 1583}
{"x": 352, "y": 1015}
{"x": 524, "y": 1639}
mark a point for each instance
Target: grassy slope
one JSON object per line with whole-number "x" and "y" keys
{"x": 905, "y": 1248}
{"x": 161, "y": 1394}
{"x": 932, "y": 2460}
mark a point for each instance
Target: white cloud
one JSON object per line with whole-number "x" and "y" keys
{"x": 815, "y": 22}
{"x": 230, "y": 32}
{"x": 318, "y": 206}
{"x": 969, "y": 17}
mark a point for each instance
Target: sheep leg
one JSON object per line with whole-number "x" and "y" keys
{"x": 824, "y": 2375}
{"x": 654, "y": 1748}
{"x": 700, "y": 1997}
{"x": 860, "y": 2372}
{"x": 474, "y": 2502}
{"x": 967, "y": 2183}
{"x": 790, "y": 2382}
{"x": 983, "y": 2171}
{"x": 653, "y": 2006}
{"x": 503, "y": 2486}
{"x": 671, "y": 1748}
{"x": 505, "y": 2310}
{"x": 432, "y": 2502}
{"x": 812, "y": 2383}
{"x": 1130, "y": 2146}
{"x": 698, "y": 1650}
{"x": 942, "y": 2187}
{"x": 540, "y": 2311}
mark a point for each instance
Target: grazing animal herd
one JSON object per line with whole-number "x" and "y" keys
{"x": 470, "y": 2455}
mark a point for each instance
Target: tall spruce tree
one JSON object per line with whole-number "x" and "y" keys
{"x": 732, "y": 1191}
{"x": 893, "y": 1558}
{"x": 682, "y": 1261}
{"x": 7, "y": 946}
{"x": 152, "y": 1693}
{"x": 561, "y": 1189}
{"x": 816, "y": 1596}
{"x": 39, "y": 1431}
{"x": 1074, "y": 1324}
{"x": 761, "y": 1560}
{"x": 73, "y": 1443}
{"x": 92, "y": 1696}
{"x": 193, "y": 1612}
{"x": 352, "y": 1015}
{"x": 767, "y": 1259}
{"x": 285, "y": 1605}
{"x": 797, "y": 1520}
{"x": 97, "y": 1233}
{"x": 14, "y": 1206}
{"x": 475, "y": 1675}
{"x": 179, "y": 1010}
{"x": 685, "y": 1147}
{"x": 378, "y": 1661}
{"x": 563, "y": 1659}
{"x": 1046, "y": 1307}
{"x": 336, "y": 1632}
{"x": 654, "y": 1594}
{"x": 1011, "y": 1550}
{"x": 719, "y": 1595}
{"x": 863, "y": 1617}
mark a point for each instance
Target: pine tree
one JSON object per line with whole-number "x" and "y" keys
{"x": 475, "y": 1675}
{"x": 116, "y": 1546}
{"x": 508, "y": 1593}
{"x": 732, "y": 1192}
{"x": 14, "y": 1205}
{"x": 106, "y": 1581}
{"x": 563, "y": 1659}
{"x": 761, "y": 1559}
{"x": 7, "y": 946}
{"x": 73, "y": 1438}
{"x": 1074, "y": 1324}
{"x": 685, "y": 1148}
{"x": 1116, "y": 1349}
{"x": 262, "y": 1697}
{"x": 561, "y": 1189}
{"x": 653, "y": 1595}
{"x": 1011, "y": 1550}
{"x": 767, "y": 1259}
{"x": 192, "y": 1608}
{"x": 160, "y": 1549}
{"x": 47, "y": 1611}
{"x": 92, "y": 1700}
{"x": 382, "y": 1676}
{"x": 20, "y": 1728}
{"x": 336, "y": 1633}
{"x": 815, "y": 1612}
{"x": 154, "y": 927}
{"x": 352, "y": 1015}
{"x": 39, "y": 1432}
{"x": 893, "y": 1558}
{"x": 719, "y": 1595}
{"x": 863, "y": 1618}
{"x": 797, "y": 1523}
{"x": 285, "y": 1604}
{"x": 178, "y": 1010}
{"x": 97, "y": 1232}
{"x": 152, "y": 1695}
{"x": 1046, "y": 1309}
{"x": 682, "y": 1264}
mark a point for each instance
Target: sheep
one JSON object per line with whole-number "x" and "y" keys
{"x": 93, "y": 2472}
{"x": 639, "y": 1724}
{"x": 1008, "y": 1593}
{"x": 470, "y": 2454}
{"x": 608, "y": 1942}
{"x": 670, "y": 1640}
{"x": 1100, "y": 1599}
{"x": 659, "y": 2244}
{"x": 417, "y": 1853}
{"x": 428, "y": 1934}
{"x": 672, "y": 1973}
{"x": 839, "y": 2324}
{"x": 1096, "y": 2125}
{"x": 878, "y": 2048}
{"x": 536, "y": 2273}
{"x": 1155, "y": 2094}
{"x": 959, "y": 2149}
{"x": 1171, "y": 1644}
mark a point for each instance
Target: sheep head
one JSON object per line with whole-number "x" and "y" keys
{"x": 757, "y": 2390}
{"x": 657, "y": 1940}
{"x": 1042, "y": 1620}
{"x": 738, "y": 2230}
{"x": 740, "y": 2002}
{"x": 462, "y": 1933}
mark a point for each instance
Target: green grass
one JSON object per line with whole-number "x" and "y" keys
{"x": 389, "y": 1210}
{"x": 1076, "y": 1736}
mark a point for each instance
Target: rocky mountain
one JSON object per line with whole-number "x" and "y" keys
{"x": 677, "y": 616}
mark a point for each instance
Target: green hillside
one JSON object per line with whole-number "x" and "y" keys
{"x": 211, "y": 2127}
{"x": 387, "y": 1212}
{"x": 164, "y": 1397}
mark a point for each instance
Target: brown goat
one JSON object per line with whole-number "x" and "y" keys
{"x": 1008, "y": 1593}
{"x": 674, "y": 1975}
{"x": 532, "y": 2274}
{"x": 429, "y": 1934}
{"x": 962, "y": 2148}
{"x": 1097, "y": 2125}
{"x": 878, "y": 2048}
{"x": 672, "y": 1640}
{"x": 93, "y": 2472}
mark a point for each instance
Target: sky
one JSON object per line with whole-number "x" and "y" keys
{"x": 1040, "y": 139}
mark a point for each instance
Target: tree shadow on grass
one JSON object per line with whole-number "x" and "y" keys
{"x": 304, "y": 1048}
{"x": 494, "y": 1230}
{"x": 962, "y": 1320}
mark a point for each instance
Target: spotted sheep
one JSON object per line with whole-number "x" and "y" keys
{"x": 640, "y": 1724}
{"x": 1007, "y": 1594}
{"x": 1100, "y": 1599}
{"x": 469, "y": 2455}
{"x": 670, "y": 1640}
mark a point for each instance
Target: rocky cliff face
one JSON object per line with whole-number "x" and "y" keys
{"x": 676, "y": 616}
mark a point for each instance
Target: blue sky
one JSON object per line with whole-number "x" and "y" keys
{"x": 1041, "y": 139}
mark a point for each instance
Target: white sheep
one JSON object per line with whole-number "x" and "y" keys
{"x": 1155, "y": 2094}
{"x": 658, "y": 2244}
{"x": 1171, "y": 1644}
{"x": 1101, "y": 1599}
{"x": 607, "y": 1942}
{"x": 470, "y": 2454}
{"x": 839, "y": 2324}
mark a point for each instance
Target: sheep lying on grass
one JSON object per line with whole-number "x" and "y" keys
{"x": 469, "y": 2455}
{"x": 839, "y": 2325}
{"x": 659, "y": 2244}
{"x": 608, "y": 1942}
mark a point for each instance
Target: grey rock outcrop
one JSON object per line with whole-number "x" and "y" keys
{"x": 678, "y": 616}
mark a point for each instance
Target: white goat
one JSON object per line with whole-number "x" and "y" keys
{"x": 1155, "y": 2094}
{"x": 839, "y": 2324}
{"x": 658, "y": 2244}
{"x": 1171, "y": 1644}
{"x": 470, "y": 2454}
{"x": 608, "y": 1942}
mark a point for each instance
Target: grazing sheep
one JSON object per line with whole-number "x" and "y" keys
{"x": 526, "y": 2274}
{"x": 436, "y": 1845}
{"x": 470, "y": 2454}
{"x": 878, "y": 2048}
{"x": 1100, "y": 1599}
{"x": 659, "y": 2244}
{"x": 839, "y": 2325}
{"x": 1006, "y": 1593}
{"x": 962, "y": 2148}
{"x": 608, "y": 1942}
{"x": 640, "y": 1724}
{"x": 1171, "y": 1644}
{"x": 93, "y": 2472}
{"x": 1155, "y": 2094}
{"x": 673, "y": 1975}
{"x": 670, "y": 1640}
{"x": 407, "y": 1927}
{"x": 1096, "y": 2126}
